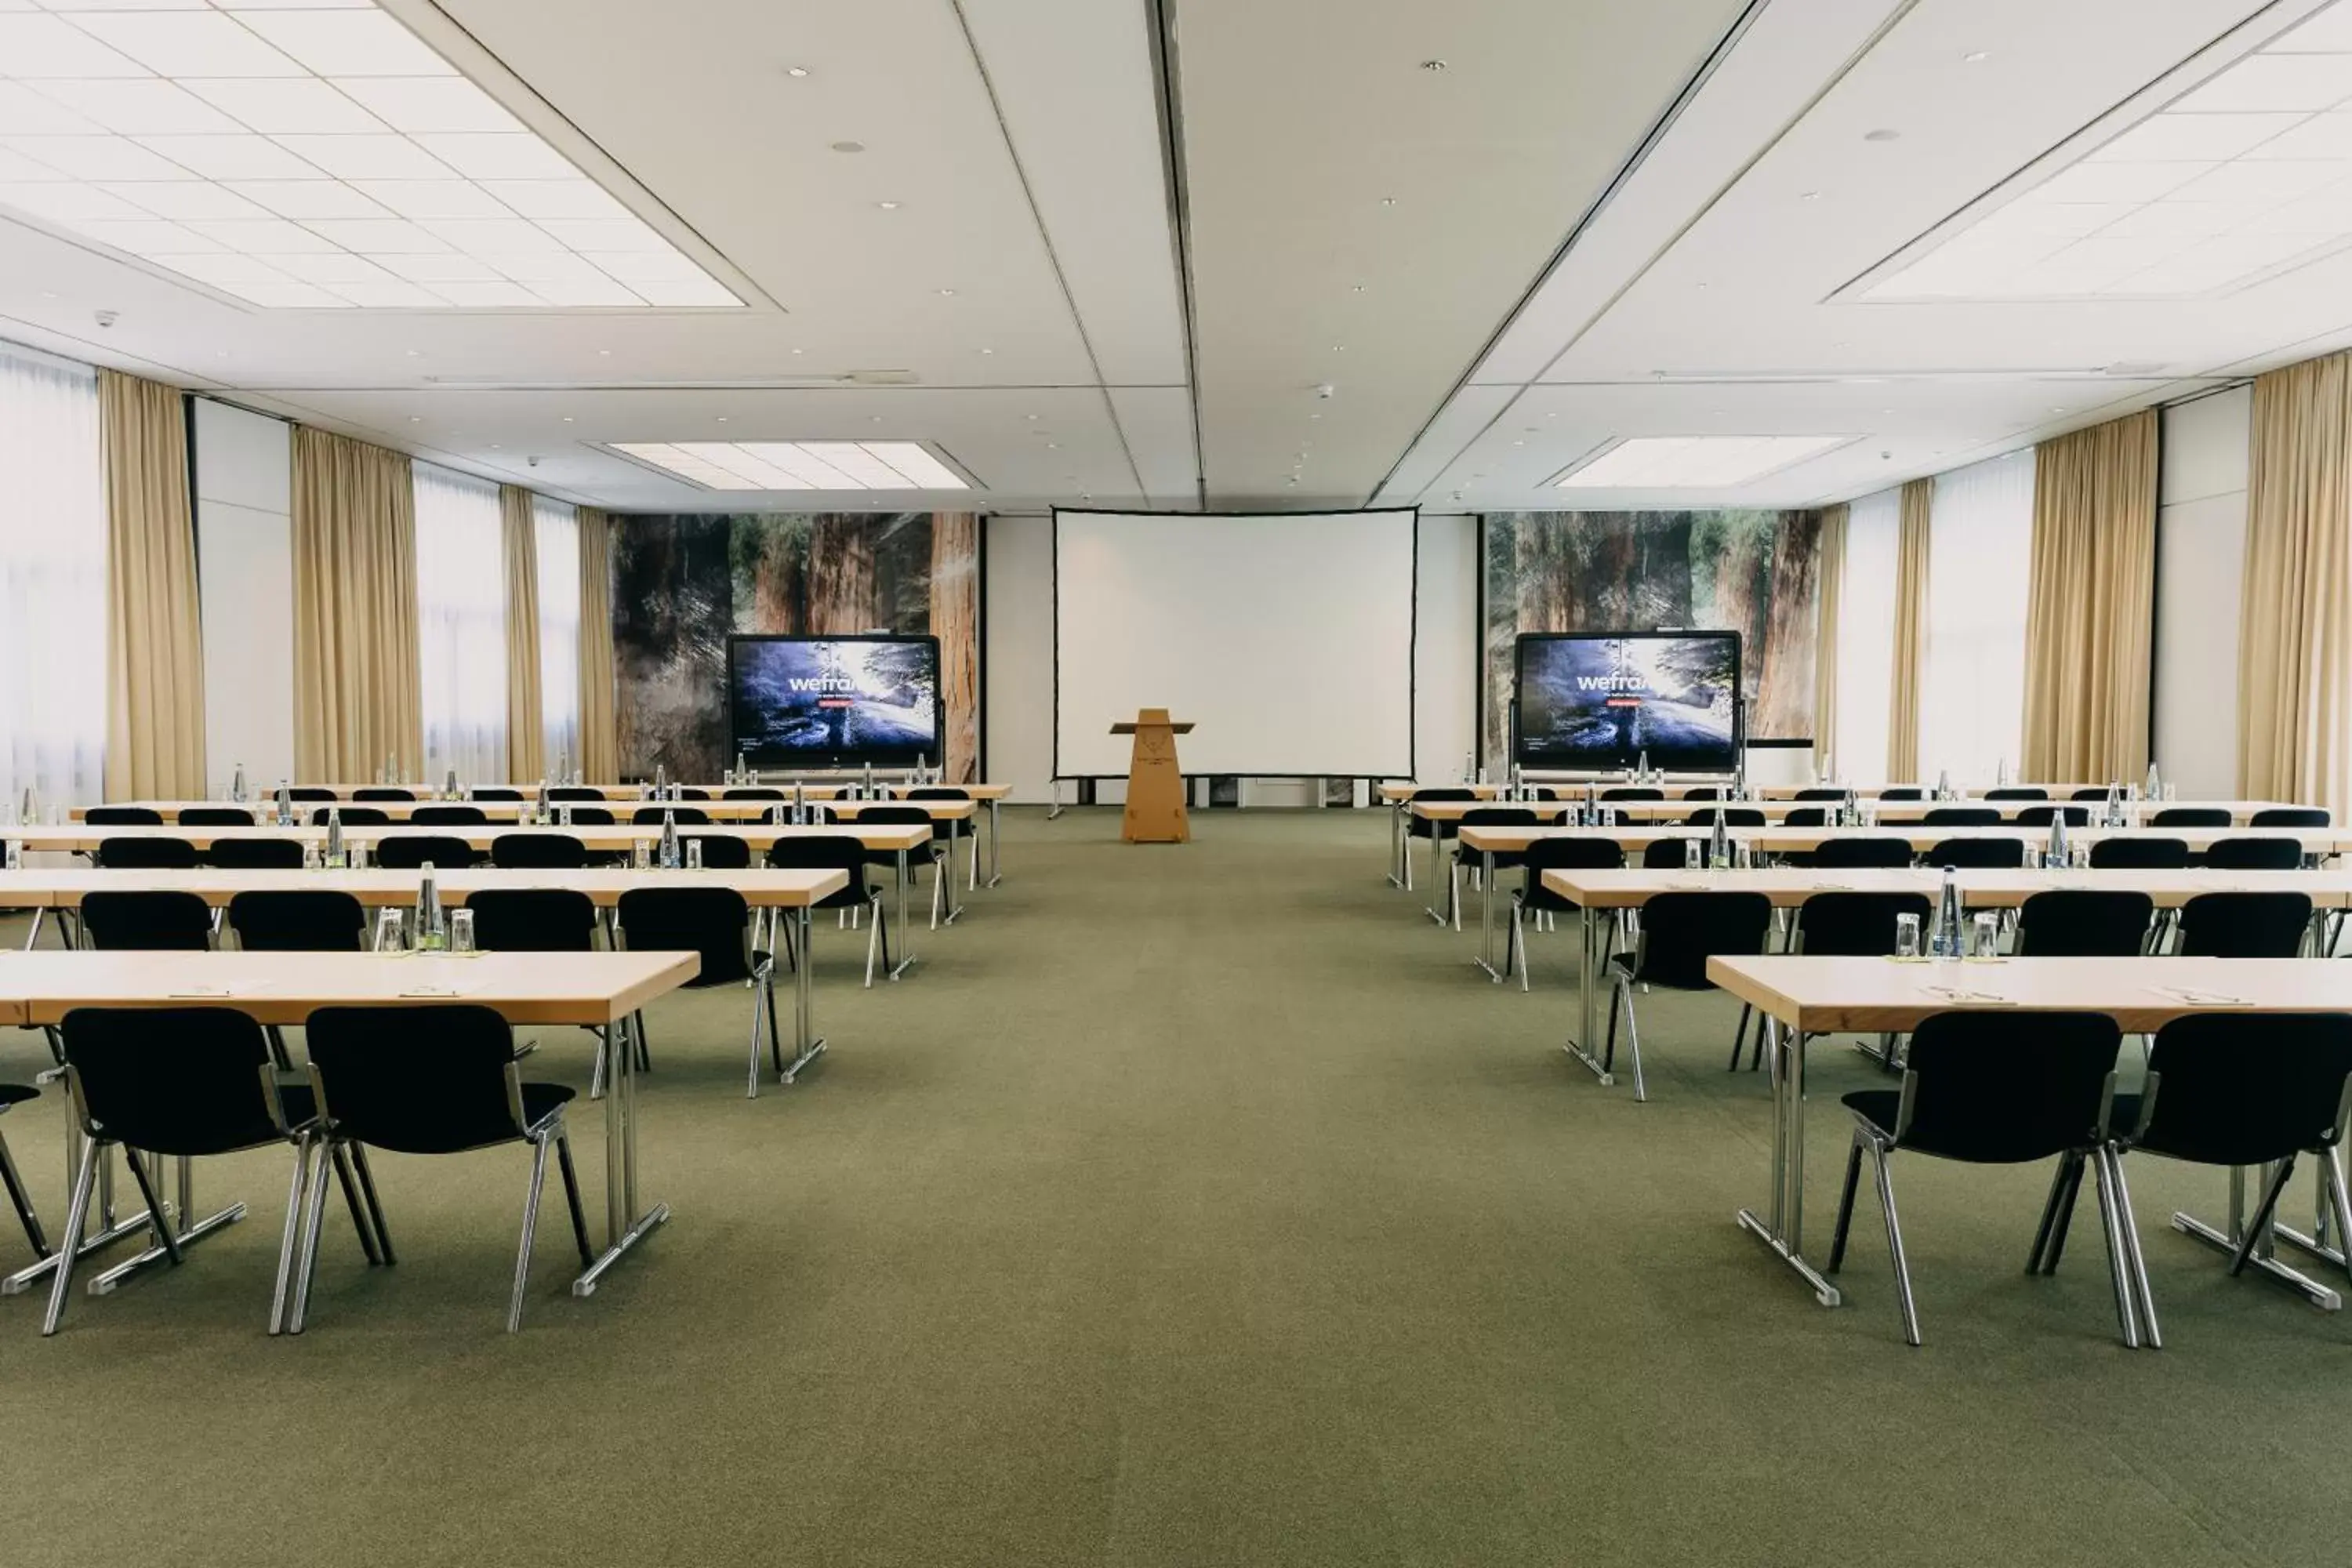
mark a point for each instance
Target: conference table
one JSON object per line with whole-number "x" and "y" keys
{"x": 590, "y": 990}
{"x": 1398, "y": 797}
{"x": 1891, "y": 812}
{"x": 1800, "y": 997}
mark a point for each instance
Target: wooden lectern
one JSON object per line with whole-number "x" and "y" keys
{"x": 1155, "y": 785}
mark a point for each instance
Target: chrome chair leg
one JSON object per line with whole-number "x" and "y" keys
{"x": 1845, "y": 1204}
{"x": 2118, "y": 1272}
{"x": 604, "y": 1047}
{"x": 2135, "y": 1260}
{"x": 873, "y": 935}
{"x": 1633, "y": 1043}
{"x": 529, "y": 1229}
{"x": 1894, "y": 1245}
{"x": 2262, "y": 1221}
{"x": 340, "y": 1153}
{"x": 758, "y": 1006}
{"x": 2061, "y": 1199}
{"x": 293, "y": 1230}
{"x": 306, "y": 1266}
{"x": 77, "y": 1215}
{"x": 374, "y": 1206}
{"x": 572, "y": 1196}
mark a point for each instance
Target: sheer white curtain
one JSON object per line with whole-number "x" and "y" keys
{"x": 556, "y": 529}
{"x": 1865, "y": 637}
{"x": 461, "y": 619}
{"x": 52, "y": 581}
{"x": 1980, "y": 556}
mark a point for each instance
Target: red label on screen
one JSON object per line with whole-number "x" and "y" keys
{"x": 836, "y": 702}
{"x": 1622, "y": 703}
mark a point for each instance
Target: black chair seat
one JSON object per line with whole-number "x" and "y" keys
{"x": 17, "y": 1093}
{"x": 538, "y": 1101}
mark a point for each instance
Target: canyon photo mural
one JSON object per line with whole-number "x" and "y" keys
{"x": 682, "y": 584}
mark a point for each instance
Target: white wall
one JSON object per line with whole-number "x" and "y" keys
{"x": 244, "y": 572}
{"x": 2200, "y": 548}
{"x": 1446, "y": 639}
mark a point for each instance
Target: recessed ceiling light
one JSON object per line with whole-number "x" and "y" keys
{"x": 723, "y": 419}
{"x": 1973, "y": 55}
{"x": 1357, "y": 289}
{"x": 1519, "y": 443}
{"x": 798, "y": 465}
{"x": 988, "y": 351}
{"x": 875, "y": 418}
{"x": 1809, "y": 195}
{"x": 1028, "y": 417}
{"x": 1052, "y": 446}
{"x": 848, "y": 146}
{"x": 417, "y": 419}
{"x": 1315, "y": 416}
{"x": 494, "y": 446}
{"x": 1646, "y": 462}
{"x": 1387, "y": 201}
{"x": 412, "y": 354}
{"x": 1432, "y": 65}
{"x": 1338, "y": 348}
{"x": 887, "y": 207}
{"x": 797, "y": 70}
{"x": 796, "y": 351}
{"x": 1882, "y": 134}
{"x": 947, "y": 293}
{"x": 606, "y": 352}
{"x": 567, "y": 419}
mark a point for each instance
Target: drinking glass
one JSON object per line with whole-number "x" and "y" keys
{"x": 16, "y": 853}
{"x": 1694, "y": 854}
{"x": 314, "y": 854}
{"x": 391, "y": 931}
{"x": 1984, "y": 936}
{"x": 641, "y": 854}
{"x": 564, "y": 814}
{"x": 461, "y": 931}
{"x": 694, "y": 854}
{"x": 2079, "y": 855}
{"x": 1906, "y": 936}
{"x": 1743, "y": 856}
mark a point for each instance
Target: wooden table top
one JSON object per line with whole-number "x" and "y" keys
{"x": 1879, "y": 995}
{"x": 1396, "y": 792}
{"x": 43, "y": 986}
{"x": 1893, "y": 814}
{"x": 65, "y": 888}
{"x": 265, "y": 814}
{"x": 1789, "y": 886}
{"x": 1792, "y": 841}
{"x": 891, "y": 835}
{"x": 810, "y": 789}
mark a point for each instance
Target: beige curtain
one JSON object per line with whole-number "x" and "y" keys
{"x": 2294, "y": 649}
{"x": 526, "y": 721}
{"x": 600, "y": 740}
{"x": 356, "y": 685}
{"x": 1831, "y": 581}
{"x": 2090, "y": 617}
{"x": 1910, "y": 632}
{"x": 154, "y": 637}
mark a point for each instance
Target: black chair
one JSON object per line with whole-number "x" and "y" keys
{"x": 2191, "y": 816}
{"x": 1680, "y": 931}
{"x": 1961, "y": 817}
{"x": 504, "y": 797}
{"x": 353, "y": 816}
{"x": 1733, "y": 817}
{"x": 1806, "y": 816}
{"x": 407, "y": 851}
{"x": 575, "y": 792}
{"x": 715, "y": 923}
{"x": 1533, "y": 900}
{"x": 591, "y": 816}
{"x": 2078, "y": 923}
{"x": 146, "y": 854}
{"x": 2289, "y": 816}
{"x": 2021, "y": 792}
{"x": 1668, "y": 854}
{"x": 1855, "y": 925}
{"x": 433, "y": 1080}
{"x": 215, "y": 817}
{"x": 1904, "y": 793}
{"x": 905, "y": 815}
{"x": 2253, "y": 855}
{"x": 721, "y": 851}
{"x": 1824, "y": 794}
{"x": 1622, "y": 791}
{"x": 149, "y": 921}
{"x": 545, "y": 919}
{"x": 1997, "y": 1088}
{"x": 123, "y": 816}
{"x": 1504, "y": 859}
{"x": 837, "y": 852}
{"x": 2093, "y": 792}
{"x": 2140, "y": 854}
{"x": 2244, "y": 925}
{"x": 309, "y": 793}
{"x": 2238, "y": 1091}
{"x": 382, "y": 792}
{"x": 1985, "y": 854}
{"x": 952, "y": 828}
{"x": 2043, "y": 816}
{"x": 688, "y": 792}
{"x": 304, "y": 921}
{"x": 256, "y": 854}
{"x": 448, "y": 817}
{"x": 1880, "y": 852}
{"x": 538, "y": 851}
{"x": 177, "y": 1083}
{"x": 753, "y": 793}
{"x": 653, "y": 816}
{"x": 1426, "y": 827}
{"x": 13, "y": 1094}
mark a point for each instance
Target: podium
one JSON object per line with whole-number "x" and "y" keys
{"x": 1155, "y": 785}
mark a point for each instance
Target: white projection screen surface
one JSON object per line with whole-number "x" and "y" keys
{"x": 1286, "y": 637}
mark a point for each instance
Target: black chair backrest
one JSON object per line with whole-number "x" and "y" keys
{"x": 215, "y": 817}
{"x": 509, "y": 796}
{"x": 1905, "y": 792}
{"x": 2140, "y": 854}
{"x": 353, "y": 816}
{"x": 448, "y": 817}
{"x": 1806, "y": 816}
{"x": 538, "y": 850}
{"x": 304, "y": 921}
{"x": 172, "y": 1080}
{"x": 2043, "y": 816}
{"x": 894, "y": 814}
{"x": 2003, "y": 1087}
{"x": 1703, "y": 792}
{"x": 1856, "y": 925}
{"x": 1632, "y": 792}
{"x": 416, "y": 1080}
{"x": 383, "y": 792}
{"x": 2254, "y": 854}
{"x": 2244, "y": 925}
{"x": 939, "y": 792}
{"x": 256, "y": 854}
{"x": 1733, "y": 817}
{"x": 591, "y": 816}
{"x": 409, "y": 850}
{"x": 1577, "y": 855}
{"x": 2289, "y": 816}
{"x": 1961, "y": 816}
{"x": 2191, "y": 816}
{"x": 149, "y": 854}
{"x": 2093, "y": 792}
{"x": 574, "y": 792}
{"x": 1668, "y": 854}
{"x": 2021, "y": 791}
{"x": 750, "y": 794}
{"x": 1986, "y": 854}
{"x": 532, "y": 919}
{"x": 721, "y": 851}
{"x": 826, "y": 852}
{"x": 1503, "y": 816}
{"x": 151, "y": 921}
{"x": 1820, "y": 795}
{"x": 123, "y": 816}
{"x": 1680, "y": 931}
{"x": 706, "y": 920}
{"x": 2247, "y": 1089}
{"x": 684, "y": 816}
{"x": 2080, "y": 922}
{"x": 309, "y": 793}
{"x": 1863, "y": 852}
{"x": 689, "y": 792}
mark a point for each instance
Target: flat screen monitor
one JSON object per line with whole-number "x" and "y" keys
{"x": 832, "y": 702}
{"x": 1600, "y": 700}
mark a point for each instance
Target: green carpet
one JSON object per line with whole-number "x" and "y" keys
{"x": 1187, "y": 1206}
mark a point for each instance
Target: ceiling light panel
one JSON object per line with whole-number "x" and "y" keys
{"x": 1661, "y": 462}
{"x": 2247, "y": 176}
{"x": 182, "y": 130}
{"x": 799, "y": 465}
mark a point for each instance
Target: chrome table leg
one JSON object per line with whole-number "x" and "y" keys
{"x": 624, "y": 1226}
{"x": 807, "y": 1045}
{"x": 1783, "y": 1232}
{"x": 906, "y": 931}
{"x": 1580, "y": 1048}
{"x": 1396, "y": 846}
{"x": 995, "y": 843}
{"x": 2264, "y": 1260}
{"x": 1486, "y": 959}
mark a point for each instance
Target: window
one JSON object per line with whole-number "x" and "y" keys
{"x": 557, "y": 530}
{"x": 1972, "y": 685}
{"x": 461, "y": 626}
{"x": 52, "y": 582}
{"x": 1865, "y": 637}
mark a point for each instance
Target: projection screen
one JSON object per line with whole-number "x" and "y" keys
{"x": 1287, "y": 637}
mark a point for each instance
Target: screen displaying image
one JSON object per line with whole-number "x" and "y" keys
{"x": 835, "y": 701}
{"x": 1601, "y": 701}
